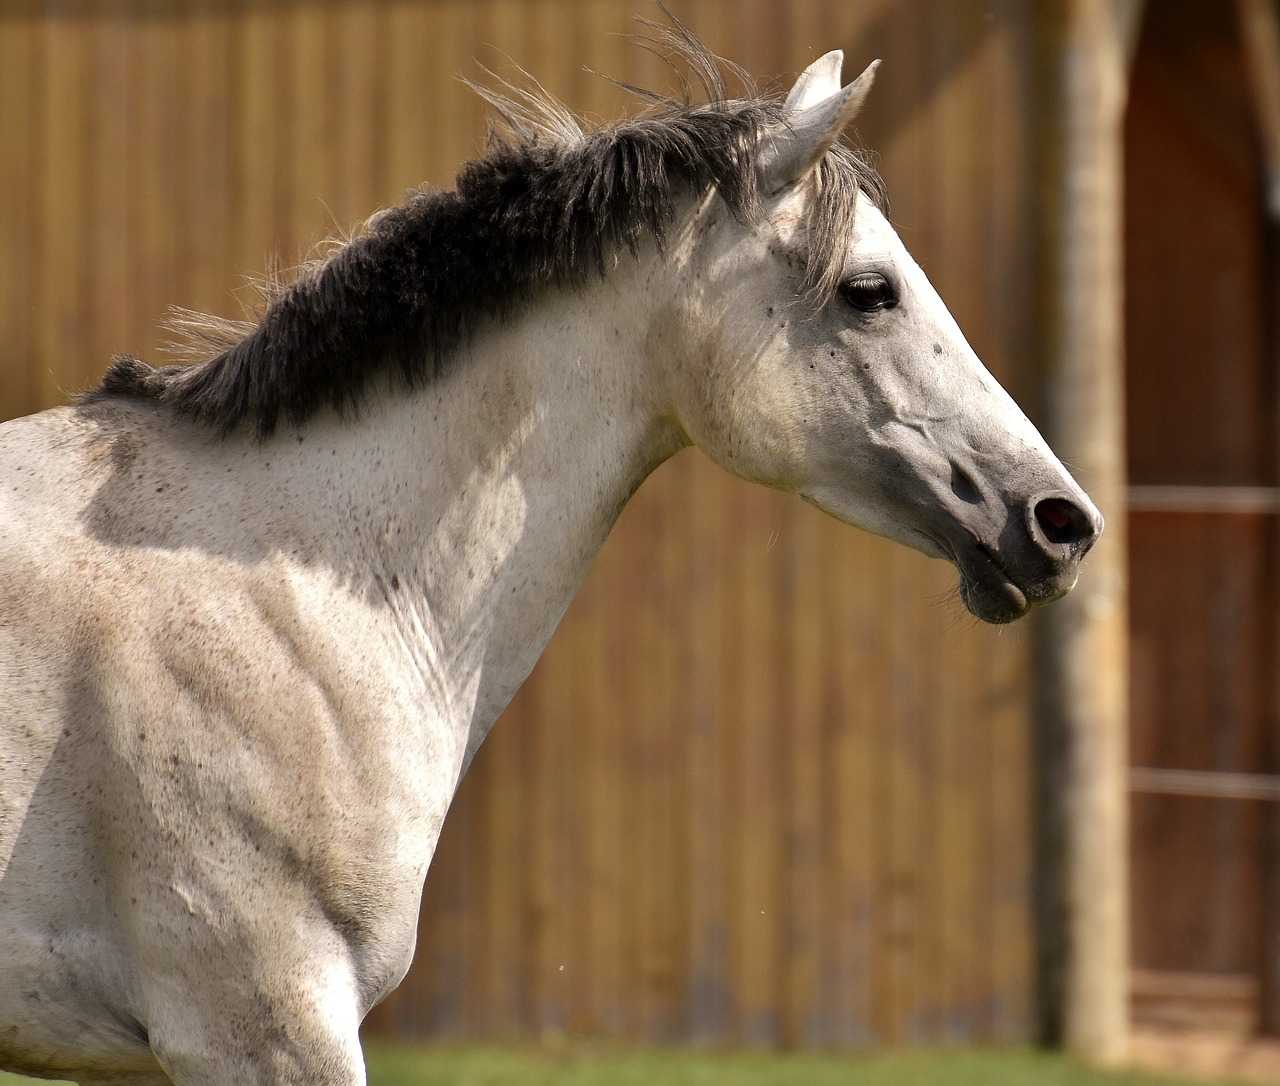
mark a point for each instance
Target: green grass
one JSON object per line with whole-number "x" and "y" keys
{"x": 587, "y": 1065}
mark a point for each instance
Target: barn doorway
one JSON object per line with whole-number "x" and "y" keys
{"x": 1202, "y": 409}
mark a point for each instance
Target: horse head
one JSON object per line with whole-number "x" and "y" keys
{"x": 819, "y": 359}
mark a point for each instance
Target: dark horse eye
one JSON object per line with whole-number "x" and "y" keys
{"x": 869, "y": 291}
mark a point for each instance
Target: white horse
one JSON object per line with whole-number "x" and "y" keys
{"x": 257, "y": 613}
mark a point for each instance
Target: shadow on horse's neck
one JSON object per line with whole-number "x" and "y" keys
{"x": 524, "y": 451}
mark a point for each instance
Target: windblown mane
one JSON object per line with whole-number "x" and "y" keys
{"x": 548, "y": 204}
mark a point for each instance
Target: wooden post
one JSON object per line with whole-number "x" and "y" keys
{"x": 1260, "y": 40}
{"x": 1082, "y": 697}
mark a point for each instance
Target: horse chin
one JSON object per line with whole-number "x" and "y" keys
{"x": 988, "y": 592}
{"x": 996, "y": 604}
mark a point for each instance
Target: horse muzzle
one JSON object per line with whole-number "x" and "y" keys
{"x": 1036, "y": 559}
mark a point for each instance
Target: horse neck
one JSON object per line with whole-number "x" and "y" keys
{"x": 495, "y": 486}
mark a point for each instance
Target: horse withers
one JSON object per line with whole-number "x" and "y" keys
{"x": 257, "y": 613}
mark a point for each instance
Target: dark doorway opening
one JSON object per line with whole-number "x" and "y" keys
{"x": 1204, "y": 548}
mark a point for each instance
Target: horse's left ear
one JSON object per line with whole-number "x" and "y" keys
{"x": 815, "y": 113}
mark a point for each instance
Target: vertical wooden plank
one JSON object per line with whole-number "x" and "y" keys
{"x": 22, "y": 112}
{"x": 640, "y": 611}
{"x": 646, "y": 685}
{"x": 552, "y": 841}
{"x": 802, "y": 723}
{"x": 875, "y": 709}
{"x": 112, "y": 323}
{"x": 957, "y": 917}
{"x": 938, "y": 876}
{"x": 605, "y": 722}
{"x": 670, "y": 784}
{"x": 909, "y": 853}
{"x": 1010, "y": 209}
{"x": 840, "y": 809}
{"x": 760, "y": 861}
{"x": 639, "y": 66}
{"x": 1260, "y": 44}
{"x": 583, "y": 720}
{"x": 310, "y": 168}
{"x": 806, "y": 32}
{"x": 836, "y": 1013}
{"x": 460, "y": 114}
{"x": 257, "y": 147}
{"x": 206, "y": 158}
{"x": 61, "y": 207}
{"x": 409, "y": 138}
{"x": 160, "y": 263}
{"x": 352, "y": 91}
{"x": 735, "y": 803}
{"x": 1009, "y": 846}
{"x": 501, "y": 783}
{"x": 757, "y": 34}
{"x": 707, "y": 1012}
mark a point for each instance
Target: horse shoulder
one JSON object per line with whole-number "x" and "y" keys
{"x": 209, "y": 731}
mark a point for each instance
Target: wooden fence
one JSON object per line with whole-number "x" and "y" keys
{"x": 769, "y": 785}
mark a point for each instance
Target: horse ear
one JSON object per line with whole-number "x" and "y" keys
{"x": 816, "y": 83}
{"x": 815, "y": 113}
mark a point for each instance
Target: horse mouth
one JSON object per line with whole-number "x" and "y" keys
{"x": 991, "y": 593}
{"x": 987, "y": 591}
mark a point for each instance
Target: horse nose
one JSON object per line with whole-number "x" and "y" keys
{"x": 1061, "y": 524}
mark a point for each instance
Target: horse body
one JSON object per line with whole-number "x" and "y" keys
{"x": 243, "y": 677}
{"x": 279, "y": 661}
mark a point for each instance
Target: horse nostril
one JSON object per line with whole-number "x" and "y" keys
{"x": 1064, "y": 523}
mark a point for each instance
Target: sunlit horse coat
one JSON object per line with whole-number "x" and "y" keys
{"x": 257, "y": 614}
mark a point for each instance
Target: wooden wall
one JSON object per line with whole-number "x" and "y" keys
{"x": 1205, "y": 631}
{"x": 770, "y": 784}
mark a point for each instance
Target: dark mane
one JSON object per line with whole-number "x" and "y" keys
{"x": 547, "y": 205}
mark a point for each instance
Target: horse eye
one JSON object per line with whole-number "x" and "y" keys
{"x": 868, "y": 292}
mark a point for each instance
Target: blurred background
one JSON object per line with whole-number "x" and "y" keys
{"x": 770, "y": 785}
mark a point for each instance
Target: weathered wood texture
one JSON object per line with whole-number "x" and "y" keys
{"x": 1082, "y": 714}
{"x": 1203, "y": 412}
{"x": 770, "y": 785}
